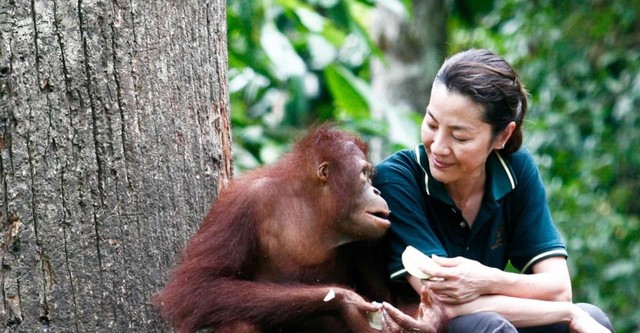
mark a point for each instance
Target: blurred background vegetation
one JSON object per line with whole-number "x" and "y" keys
{"x": 367, "y": 65}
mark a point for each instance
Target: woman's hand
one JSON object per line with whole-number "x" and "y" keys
{"x": 582, "y": 322}
{"x": 459, "y": 280}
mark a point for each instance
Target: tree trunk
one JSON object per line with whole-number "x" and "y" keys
{"x": 414, "y": 47}
{"x": 114, "y": 140}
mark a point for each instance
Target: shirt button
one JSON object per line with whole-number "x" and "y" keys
{"x": 463, "y": 224}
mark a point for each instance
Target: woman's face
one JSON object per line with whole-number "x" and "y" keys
{"x": 457, "y": 141}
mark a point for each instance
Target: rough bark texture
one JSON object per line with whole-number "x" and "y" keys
{"x": 114, "y": 140}
{"x": 414, "y": 48}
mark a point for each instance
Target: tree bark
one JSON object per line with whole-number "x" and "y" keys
{"x": 414, "y": 47}
{"x": 114, "y": 140}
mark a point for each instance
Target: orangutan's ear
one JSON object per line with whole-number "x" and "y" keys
{"x": 323, "y": 171}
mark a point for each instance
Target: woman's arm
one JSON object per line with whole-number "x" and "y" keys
{"x": 460, "y": 280}
{"x": 522, "y": 312}
{"x": 550, "y": 281}
{"x": 465, "y": 286}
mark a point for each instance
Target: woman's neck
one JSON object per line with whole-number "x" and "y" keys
{"x": 467, "y": 194}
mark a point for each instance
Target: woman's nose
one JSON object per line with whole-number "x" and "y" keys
{"x": 439, "y": 145}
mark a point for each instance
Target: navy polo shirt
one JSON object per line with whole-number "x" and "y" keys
{"x": 513, "y": 223}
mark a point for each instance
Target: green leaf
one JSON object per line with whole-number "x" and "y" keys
{"x": 351, "y": 94}
{"x": 285, "y": 61}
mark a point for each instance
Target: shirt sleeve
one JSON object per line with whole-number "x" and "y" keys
{"x": 401, "y": 184}
{"x": 535, "y": 236}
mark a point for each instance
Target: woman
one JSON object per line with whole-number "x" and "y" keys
{"x": 472, "y": 197}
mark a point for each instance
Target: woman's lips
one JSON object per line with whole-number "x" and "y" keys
{"x": 440, "y": 164}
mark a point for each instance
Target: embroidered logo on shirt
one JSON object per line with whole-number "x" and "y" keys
{"x": 499, "y": 238}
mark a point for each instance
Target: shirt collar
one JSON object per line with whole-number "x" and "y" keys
{"x": 500, "y": 177}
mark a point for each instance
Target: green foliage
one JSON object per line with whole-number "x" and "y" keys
{"x": 581, "y": 62}
{"x": 292, "y": 63}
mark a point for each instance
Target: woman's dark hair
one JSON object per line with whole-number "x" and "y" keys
{"x": 490, "y": 81}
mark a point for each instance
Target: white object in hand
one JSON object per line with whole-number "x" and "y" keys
{"x": 375, "y": 318}
{"x": 330, "y": 295}
{"x": 412, "y": 259}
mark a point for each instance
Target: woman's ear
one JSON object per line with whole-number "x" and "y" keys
{"x": 504, "y": 136}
